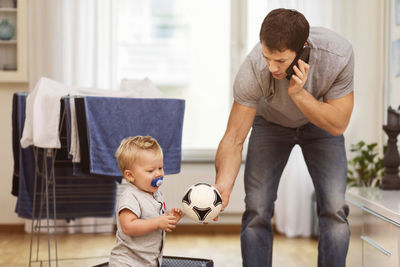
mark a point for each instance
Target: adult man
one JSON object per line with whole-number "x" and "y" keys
{"x": 313, "y": 110}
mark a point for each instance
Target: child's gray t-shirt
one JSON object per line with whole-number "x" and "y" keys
{"x": 330, "y": 76}
{"x": 145, "y": 250}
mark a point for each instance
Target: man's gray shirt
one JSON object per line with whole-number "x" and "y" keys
{"x": 330, "y": 76}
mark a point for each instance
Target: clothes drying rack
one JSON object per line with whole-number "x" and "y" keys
{"x": 47, "y": 193}
{"x": 49, "y": 180}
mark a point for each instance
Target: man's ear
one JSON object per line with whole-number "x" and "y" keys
{"x": 129, "y": 176}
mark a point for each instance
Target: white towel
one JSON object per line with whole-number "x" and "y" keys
{"x": 43, "y": 114}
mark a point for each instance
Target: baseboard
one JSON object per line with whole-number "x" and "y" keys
{"x": 206, "y": 229}
{"x": 211, "y": 229}
{"x": 202, "y": 229}
{"x": 12, "y": 228}
{"x": 180, "y": 229}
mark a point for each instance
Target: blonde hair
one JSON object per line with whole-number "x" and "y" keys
{"x": 130, "y": 146}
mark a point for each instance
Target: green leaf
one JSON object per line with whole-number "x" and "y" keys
{"x": 366, "y": 167}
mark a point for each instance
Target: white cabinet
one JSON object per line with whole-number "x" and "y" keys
{"x": 377, "y": 241}
{"x": 354, "y": 255}
{"x": 13, "y": 52}
{"x": 380, "y": 245}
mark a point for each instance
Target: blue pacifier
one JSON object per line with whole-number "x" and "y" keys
{"x": 156, "y": 182}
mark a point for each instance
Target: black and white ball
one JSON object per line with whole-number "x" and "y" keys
{"x": 202, "y": 202}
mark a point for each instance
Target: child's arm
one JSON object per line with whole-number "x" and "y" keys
{"x": 133, "y": 226}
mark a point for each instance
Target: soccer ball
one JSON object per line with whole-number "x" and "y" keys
{"x": 202, "y": 202}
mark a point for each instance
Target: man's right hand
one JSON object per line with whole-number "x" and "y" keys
{"x": 225, "y": 195}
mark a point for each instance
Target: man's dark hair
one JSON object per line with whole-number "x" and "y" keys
{"x": 284, "y": 29}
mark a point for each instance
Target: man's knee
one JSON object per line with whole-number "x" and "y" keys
{"x": 332, "y": 215}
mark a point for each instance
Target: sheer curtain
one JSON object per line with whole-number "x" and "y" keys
{"x": 72, "y": 41}
{"x": 293, "y": 207}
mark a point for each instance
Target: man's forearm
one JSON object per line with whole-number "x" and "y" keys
{"x": 330, "y": 117}
{"x": 229, "y": 153}
{"x": 227, "y": 163}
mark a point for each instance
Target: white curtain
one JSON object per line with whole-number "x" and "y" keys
{"x": 72, "y": 41}
{"x": 293, "y": 207}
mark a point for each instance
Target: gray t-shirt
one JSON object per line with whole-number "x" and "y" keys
{"x": 330, "y": 76}
{"x": 145, "y": 250}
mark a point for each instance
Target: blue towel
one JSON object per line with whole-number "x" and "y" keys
{"x": 18, "y": 106}
{"x": 109, "y": 120}
{"x": 24, "y": 161}
{"x": 76, "y": 195}
{"x": 67, "y": 120}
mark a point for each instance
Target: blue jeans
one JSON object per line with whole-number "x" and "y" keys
{"x": 325, "y": 155}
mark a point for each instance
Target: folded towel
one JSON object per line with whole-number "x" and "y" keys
{"x": 109, "y": 120}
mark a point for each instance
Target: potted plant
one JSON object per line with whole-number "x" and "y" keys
{"x": 366, "y": 168}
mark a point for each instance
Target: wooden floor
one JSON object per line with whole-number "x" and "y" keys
{"x": 91, "y": 249}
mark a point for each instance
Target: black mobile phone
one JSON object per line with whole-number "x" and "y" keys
{"x": 303, "y": 55}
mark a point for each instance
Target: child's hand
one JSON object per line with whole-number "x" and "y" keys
{"x": 166, "y": 222}
{"x": 177, "y": 213}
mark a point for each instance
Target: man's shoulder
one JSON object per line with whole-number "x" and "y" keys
{"x": 330, "y": 50}
{"x": 329, "y": 42}
{"x": 256, "y": 57}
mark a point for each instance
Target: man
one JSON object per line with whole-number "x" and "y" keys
{"x": 311, "y": 109}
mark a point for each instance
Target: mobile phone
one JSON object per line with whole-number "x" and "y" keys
{"x": 304, "y": 54}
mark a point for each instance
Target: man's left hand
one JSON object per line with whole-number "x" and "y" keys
{"x": 298, "y": 79}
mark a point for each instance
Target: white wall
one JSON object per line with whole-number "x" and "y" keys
{"x": 393, "y": 98}
{"x": 364, "y": 27}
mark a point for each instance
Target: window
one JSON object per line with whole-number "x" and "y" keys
{"x": 184, "y": 48}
